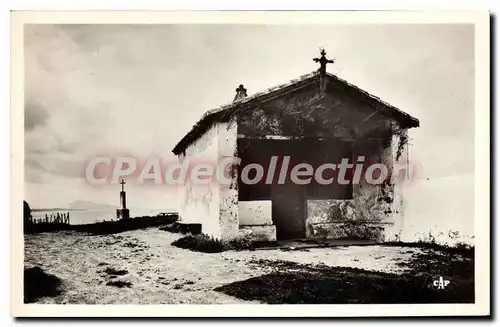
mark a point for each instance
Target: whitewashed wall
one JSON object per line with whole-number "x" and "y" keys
{"x": 215, "y": 206}
{"x": 228, "y": 197}
{"x": 439, "y": 208}
{"x": 200, "y": 204}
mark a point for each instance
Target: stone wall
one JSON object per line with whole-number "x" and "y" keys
{"x": 258, "y": 233}
{"x": 228, "y": 197}
{"x": 398, "y": 152}
{"x": 256, "y": 212}
{"x": 375, "y": 210}
{"x": 256, "y": 220}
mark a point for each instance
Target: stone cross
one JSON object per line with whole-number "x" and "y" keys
{"x": 323, "y": 61}
{"x": 241, "y": 92}
{"x": 322, "y": 69}
{"x": 123, "y": 197}
{"x": 123, "y": 212}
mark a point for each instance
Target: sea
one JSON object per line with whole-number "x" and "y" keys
{"x": 89, "y": 216}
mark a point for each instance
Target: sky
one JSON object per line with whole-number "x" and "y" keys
{"x": 95, "y": 90}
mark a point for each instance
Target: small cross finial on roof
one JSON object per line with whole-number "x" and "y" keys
{"x": 241, "y": 92}
{"x": 123, "y": 185}
{"x": 323, "y": 61}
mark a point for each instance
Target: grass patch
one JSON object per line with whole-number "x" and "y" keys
{"x": 199, "y": 243}
{"x": 207, "y": 244}
{"x": 38, "y": 284}
{"x": 132, "y": 245}
{"x": 116, "y": 272}
{"x": 239, "y": 244}
{"x": 454, "y": 265}
{"x": 459, "y": 249}
{"x": 119, "y": 283}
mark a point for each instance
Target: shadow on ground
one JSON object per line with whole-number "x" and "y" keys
{"x": 296, "y": 283}
{"x": 38, "y": 284}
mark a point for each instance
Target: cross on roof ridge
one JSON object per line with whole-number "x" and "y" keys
{"x": 323, "y": 61}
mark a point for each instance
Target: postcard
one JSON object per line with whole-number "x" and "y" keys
{"x": 210, "y": 164}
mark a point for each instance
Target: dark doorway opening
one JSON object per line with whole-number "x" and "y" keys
{"x": 289, "y": 200}
{"x": 289, "y": 211}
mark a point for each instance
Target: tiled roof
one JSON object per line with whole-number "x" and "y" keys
{"x": 224, "y": 112}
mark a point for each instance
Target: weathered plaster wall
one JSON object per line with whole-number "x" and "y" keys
{"x": 256, "y": 212}
{"x": 374, "y": 204}
{"x": 215, "y": 206}
{"x": 373, "y": 212}
{"x": 324, "y": 217}
{"x": 367, "y": 215}
{"x": 228, "y": 196}
{"x": 200, "y": 203}
{"x": 398, "y": 153}
{"x": 245, "y": 219}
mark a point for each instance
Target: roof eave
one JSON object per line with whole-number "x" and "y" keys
{"x": 407, "y": 121}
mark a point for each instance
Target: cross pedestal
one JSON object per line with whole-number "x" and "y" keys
{"x": 123, "y": 212}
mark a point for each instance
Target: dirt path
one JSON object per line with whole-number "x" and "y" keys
{"x": 151, "y": 271}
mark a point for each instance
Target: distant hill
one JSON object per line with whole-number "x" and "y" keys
{"x": 48, "y": 209}
{"x": 90, "y": 205}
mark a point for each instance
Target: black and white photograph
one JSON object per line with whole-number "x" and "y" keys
{"x": 252, "y": 159}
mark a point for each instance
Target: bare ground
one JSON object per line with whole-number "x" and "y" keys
{"x": 141, "y": 267}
